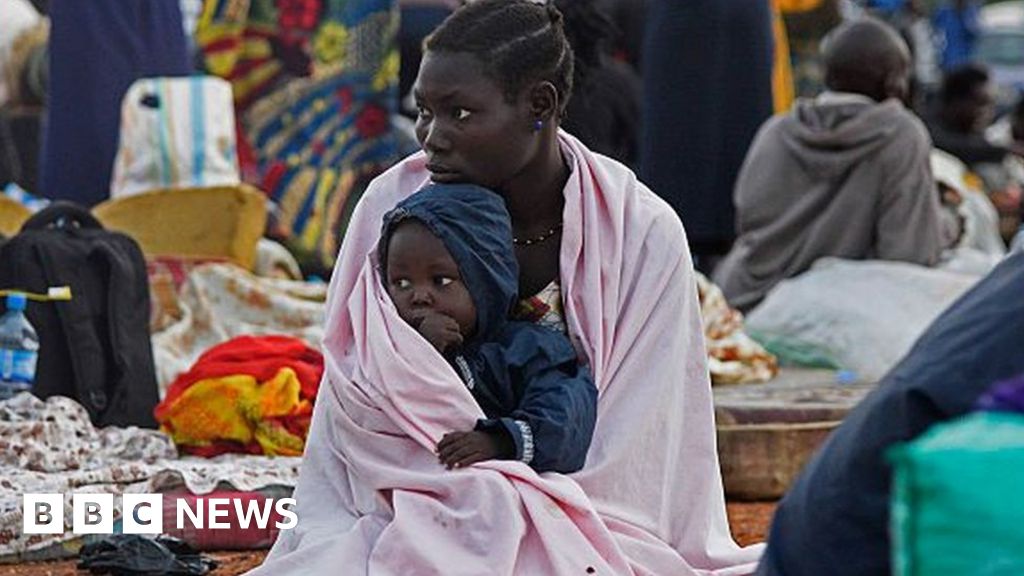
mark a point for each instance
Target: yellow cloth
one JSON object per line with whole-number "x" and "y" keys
{"x": 240, "y": 409}
{"x": 782, "y": 72}
{"x": 792, "y": 6}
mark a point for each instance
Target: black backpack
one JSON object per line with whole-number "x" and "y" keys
{"x": 94, "y": 348}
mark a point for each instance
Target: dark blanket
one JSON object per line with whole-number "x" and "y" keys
{"x": 834, "y": 520}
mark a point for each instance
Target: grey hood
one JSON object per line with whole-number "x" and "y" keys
{"x": 829, "y": 134}
{"x": 838, "y": 176}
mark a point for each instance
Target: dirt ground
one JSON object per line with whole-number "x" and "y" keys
{"x": 749, "y": 521}
{"x": 229, "y": 564}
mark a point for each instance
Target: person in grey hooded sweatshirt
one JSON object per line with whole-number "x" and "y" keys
{"x": 845, "y": 174}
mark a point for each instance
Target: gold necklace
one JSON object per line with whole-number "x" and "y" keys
{"x": 537, "y": 239}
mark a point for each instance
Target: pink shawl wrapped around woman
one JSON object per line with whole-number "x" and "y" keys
{"x": 372, "y": 496}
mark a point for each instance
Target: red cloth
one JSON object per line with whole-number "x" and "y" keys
{"x": 267, "y": 411}
{"x": 258, "y": 356}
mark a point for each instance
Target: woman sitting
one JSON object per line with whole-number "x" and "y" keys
{"x": 606, "y": 261}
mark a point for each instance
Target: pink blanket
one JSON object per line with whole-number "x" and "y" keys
{"x": 372, "y": 497}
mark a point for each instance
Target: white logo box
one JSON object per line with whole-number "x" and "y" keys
{"x": 144, "y": 513}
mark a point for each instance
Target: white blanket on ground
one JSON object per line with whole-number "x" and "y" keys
{"x": 51, "y": 447}
{"x": 221, "y": 301}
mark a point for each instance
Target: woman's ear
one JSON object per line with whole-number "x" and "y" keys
{"x": 543, "y": 101}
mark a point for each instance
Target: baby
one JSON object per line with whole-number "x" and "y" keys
{"x": 447, "y": 259}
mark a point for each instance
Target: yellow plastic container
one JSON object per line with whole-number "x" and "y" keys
{"x": 202, "y": 223}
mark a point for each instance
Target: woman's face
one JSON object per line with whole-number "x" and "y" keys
{"x": 466, "y": 126}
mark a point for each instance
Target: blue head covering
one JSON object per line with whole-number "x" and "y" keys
{"x": 474, "y": 225}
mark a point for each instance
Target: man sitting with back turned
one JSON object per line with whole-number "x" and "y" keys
{"x": 845, "y": 174}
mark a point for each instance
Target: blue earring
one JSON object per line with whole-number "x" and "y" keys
{"x": 538, "y": 125}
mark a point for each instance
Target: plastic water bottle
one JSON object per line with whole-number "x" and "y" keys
{"x": 19, "y": 348}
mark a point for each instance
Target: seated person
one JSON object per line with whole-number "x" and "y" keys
{"x": 966, "y": 108}
{"x": 448, "y": 265}
{"x": 834, "y": 520}
{"x": 598, "y": 254}
{"x": 846, "y": 174}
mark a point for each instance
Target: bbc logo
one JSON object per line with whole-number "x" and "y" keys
{"x": 92, "y": 514}
{"x": 144, "y": 513}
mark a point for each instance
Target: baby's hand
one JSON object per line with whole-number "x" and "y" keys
{"x": 440, "y": 330}
{"x": 460, "y": 449}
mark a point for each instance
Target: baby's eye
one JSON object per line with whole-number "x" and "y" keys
{"x": 444, "y": 280}
{"x": 401, "y": 283}
{"x": 422, "y": 111}
{"x": 461, "y": 113}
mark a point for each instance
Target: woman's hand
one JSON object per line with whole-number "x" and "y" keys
{"x": 440, "y": 330}
{"x": 460, "y": 449}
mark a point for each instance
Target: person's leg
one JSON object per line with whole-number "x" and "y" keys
{"x": 97, "y": 49}
{"x": 707, "y": 88}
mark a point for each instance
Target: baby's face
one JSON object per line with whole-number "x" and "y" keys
{"x": 422, "y": 278}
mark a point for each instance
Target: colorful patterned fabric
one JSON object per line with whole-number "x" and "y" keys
{"x": 315, "y": 86}
{"x": 733, "y": 356}
{"x": 51, "y": 447}
{"x": 250, "y": 394}
{"x": 235, "y": 40}
{"x": 543, "y": 308}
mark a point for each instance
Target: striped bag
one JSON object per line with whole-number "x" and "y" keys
{"x": 176, "y": 133}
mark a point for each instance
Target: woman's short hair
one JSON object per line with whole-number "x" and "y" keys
{"x": 519, "y": 41}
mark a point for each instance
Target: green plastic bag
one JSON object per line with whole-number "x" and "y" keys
{"x": 958, "y": 499}
{"x": 792, "y": 351}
